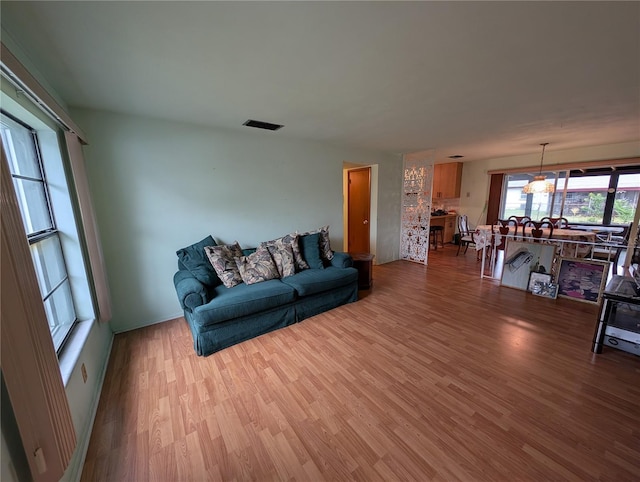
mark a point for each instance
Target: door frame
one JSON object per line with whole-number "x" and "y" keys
{"x": 373, "y": 206}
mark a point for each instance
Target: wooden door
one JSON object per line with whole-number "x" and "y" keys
{"x": 359, "y": 209}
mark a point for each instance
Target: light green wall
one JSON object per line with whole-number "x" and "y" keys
{"x": 15, "y": 46}
{"x": 159, "y": 186}
{"x": 84, "y": 397}
{"x": 475, "y": 180}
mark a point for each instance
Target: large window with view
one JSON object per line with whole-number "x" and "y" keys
{"x": 583, "y": 197}
{"x": 22, "y": 149}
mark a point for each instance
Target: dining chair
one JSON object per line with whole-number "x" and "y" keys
{"x": 520, "y": 220}
{"x": 623, "y": 236}
{"x": 558, "y": 223}
{"x": 499, "y": 233}
{"x": 537, "y": 229}
{"x": 466, "y": 234}
{"x": 611, "y": 248}
{"x": 503, "y": 229}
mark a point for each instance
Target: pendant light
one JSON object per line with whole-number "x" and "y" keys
{"x": 539, "y": 183}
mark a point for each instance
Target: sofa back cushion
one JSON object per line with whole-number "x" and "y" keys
{"x": 326, "y": 253}
{"x": 195, "y": 260}
{"x": 310, "y": 249}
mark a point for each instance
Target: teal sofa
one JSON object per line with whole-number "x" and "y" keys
{"x": 220, "y": 317}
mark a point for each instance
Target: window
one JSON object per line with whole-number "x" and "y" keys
{"x": 626, "y": 198}
{"x": 30, "y": 183}
{"x": 586, "y": 199}
{"x": 588, "y": 196}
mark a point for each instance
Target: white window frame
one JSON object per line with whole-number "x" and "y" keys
{"x": 561, "y": 179}
{"x": 60, "y": 329}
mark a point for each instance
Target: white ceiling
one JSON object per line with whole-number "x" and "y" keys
{"x": 480, "y": 79}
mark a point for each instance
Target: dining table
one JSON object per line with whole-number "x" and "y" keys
{"x": 572, "y": 242}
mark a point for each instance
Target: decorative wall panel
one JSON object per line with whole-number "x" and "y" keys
{"x": 416, "y": 207}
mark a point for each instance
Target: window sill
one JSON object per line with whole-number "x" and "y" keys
{"x": 72, "y": 349}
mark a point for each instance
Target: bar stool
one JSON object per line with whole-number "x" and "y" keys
{"x": 433, "y": 235}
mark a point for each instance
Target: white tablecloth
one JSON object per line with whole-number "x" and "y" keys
{"x": 571, "y": 237}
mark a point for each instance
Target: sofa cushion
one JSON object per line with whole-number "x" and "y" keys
{"x": 311, "y": 281}
{"x": 257, "y": 267}
{"x": 282, "y": 255}
{"x": 325, "y": 244}
{"x": 194, "y": 259}
{"x": 293, "y": 241}
{"x": 310, "y": 250}
{"x": 222, "y": 259}
{"x": 242, "y": 300}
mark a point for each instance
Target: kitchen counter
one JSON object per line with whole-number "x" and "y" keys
{"x": 448, "y": 221}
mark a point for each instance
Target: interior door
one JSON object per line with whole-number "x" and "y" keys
{"x": 359, "y": 209}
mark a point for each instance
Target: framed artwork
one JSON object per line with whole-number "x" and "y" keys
{"x": 521, "y": 258}
{"x": 582, "y": 279}
{"x": 547, "y": 290}
{"x": 536, "y": 279}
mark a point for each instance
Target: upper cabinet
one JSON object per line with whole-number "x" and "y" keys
{"x": 446, "y": 180}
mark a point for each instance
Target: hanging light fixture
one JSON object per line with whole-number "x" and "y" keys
{"x": 539, "y": 183}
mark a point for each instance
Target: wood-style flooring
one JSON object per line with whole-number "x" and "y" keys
{"x": 433, "y": 374}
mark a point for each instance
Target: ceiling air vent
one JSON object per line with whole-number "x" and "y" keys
{"x": 456, "y": 156}
{"x": 262, "y": 125}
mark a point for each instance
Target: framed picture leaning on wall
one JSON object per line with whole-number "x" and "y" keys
{"x": 522, "y": 258}
{"x": 582, "y": 279}
{"x": 536, "y": 278}
{"x": 541, "y": 284}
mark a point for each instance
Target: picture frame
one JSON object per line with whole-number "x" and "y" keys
{"x": 536, "y": 279}
{"x": 546, "y": 290}
{"x": 523, "y": 257}
{"x": 582, "y": 279}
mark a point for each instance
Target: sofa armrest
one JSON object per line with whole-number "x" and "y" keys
{"x": 341, "y": 260}
{"x": 191, "y": 292}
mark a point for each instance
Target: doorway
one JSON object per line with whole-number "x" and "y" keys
{"x": 358, "y": 210}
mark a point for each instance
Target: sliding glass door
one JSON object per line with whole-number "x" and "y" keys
{"x": 586, "y": 199}
{"x": 588, "y": 196}
{"x": 626, "y": 198}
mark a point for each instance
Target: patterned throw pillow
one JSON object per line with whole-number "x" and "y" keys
{"x": 291, "y": 239}
{"x": 257, "y": 267}
{"x": 325, "y": 243}
{"x": 222, "y": 258}
{"x": 282, "y": 255}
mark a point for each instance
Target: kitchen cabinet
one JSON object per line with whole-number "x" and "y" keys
{"x": 448, "y": 222}
{"x": 447, "y": 179}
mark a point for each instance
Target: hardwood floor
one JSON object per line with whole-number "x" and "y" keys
{"x": 432, "y": 375}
